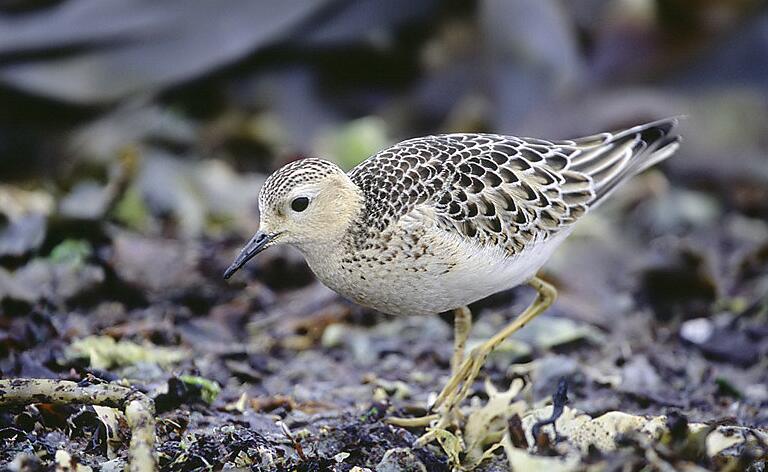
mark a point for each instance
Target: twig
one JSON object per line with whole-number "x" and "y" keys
{"x": 139, "y": 409}
{"x": 296, "y": 445}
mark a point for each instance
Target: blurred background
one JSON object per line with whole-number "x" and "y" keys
{"x": 135, "y": 135}
{"x": 208, "y": 95}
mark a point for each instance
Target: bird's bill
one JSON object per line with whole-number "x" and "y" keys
{"x": 257, "y": 244}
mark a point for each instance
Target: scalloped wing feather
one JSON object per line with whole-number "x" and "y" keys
{"x": 504, "y": 191}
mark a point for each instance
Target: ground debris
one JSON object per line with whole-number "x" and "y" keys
{"x": 24, "y": 234}
{"x": 104, "y": 352}
{"x": 139, "y": 410}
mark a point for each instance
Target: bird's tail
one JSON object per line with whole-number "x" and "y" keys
{"x": 611, "y": 158}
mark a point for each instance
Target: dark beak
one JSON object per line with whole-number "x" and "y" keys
{"x": 254, "y": 246}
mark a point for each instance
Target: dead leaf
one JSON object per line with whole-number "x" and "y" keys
{"x": 104, "y": 352}
{"x": 486, "y": 425}
{"x": 522, "y": 460}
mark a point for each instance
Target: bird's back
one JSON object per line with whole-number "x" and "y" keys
{"x": 501, "y": 191}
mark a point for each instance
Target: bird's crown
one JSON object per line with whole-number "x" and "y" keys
{"x": 288, "y": 177}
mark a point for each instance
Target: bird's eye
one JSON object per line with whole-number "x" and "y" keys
{"x": 299, "y": 204}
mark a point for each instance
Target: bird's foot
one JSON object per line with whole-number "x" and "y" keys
{"x": 448, "y": 420}
{"x": 446, "y": 406}
{"x": 457, "y": 388}
{"x": 454, "y": 392}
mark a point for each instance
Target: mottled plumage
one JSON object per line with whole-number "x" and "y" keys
{"x": 501, "y": 190}
{"x": 434, "y": 223}
{"x": 304, "y": 171}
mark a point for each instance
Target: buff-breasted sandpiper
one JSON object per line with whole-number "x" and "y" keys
{"x": 433, "y": 224}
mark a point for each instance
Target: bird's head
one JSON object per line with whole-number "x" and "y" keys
{"x": 308, "y": 203}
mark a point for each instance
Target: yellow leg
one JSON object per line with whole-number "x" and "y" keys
{"x": 458, "y": 386}
{"x": 462, "y": 325}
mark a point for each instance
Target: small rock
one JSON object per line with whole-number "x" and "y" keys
{"x": 21, "y": 235}
{"x": 41, "y": 279}
{"x": 681, "y": 209}
{"x": 758, "y": 393}
{"x": 88, "y": 200}
{"x": 156, "y": 265}
{"x": 639, "y": 376}
{"x": 115, "y": 465}
{"x": 333, "y": 336}
{"x": 400, "y": 459}
{"x": 548, "y": 372}
{"x": 340, "y": 457}
{"x": 722, "y": 343}
{"x": 697, "y": 330}
{"x": 731, "y": 346}
{"x": 547, "y": 332}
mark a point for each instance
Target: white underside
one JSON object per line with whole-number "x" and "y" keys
{"x": 475, "y": 273}
{"x": 486, "y": 271}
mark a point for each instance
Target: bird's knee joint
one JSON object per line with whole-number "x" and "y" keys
{"x": 547, "y": 293}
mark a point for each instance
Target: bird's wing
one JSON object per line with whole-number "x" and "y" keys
{"x": 506, "y": 191}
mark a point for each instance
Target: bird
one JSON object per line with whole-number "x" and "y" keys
{"x": 434, "y": 223}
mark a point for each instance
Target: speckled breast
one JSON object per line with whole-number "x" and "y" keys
{"x": 440, "y": 274}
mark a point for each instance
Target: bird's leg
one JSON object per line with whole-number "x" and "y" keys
{"x": 462, "y": 325}
{"x": 458, "y": 386}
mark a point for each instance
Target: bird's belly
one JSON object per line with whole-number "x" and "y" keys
{"x": 400, "y": 293}
{"x": 438, "y": 282}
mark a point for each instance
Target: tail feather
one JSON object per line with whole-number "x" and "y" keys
{"x": 611, "y": 158}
